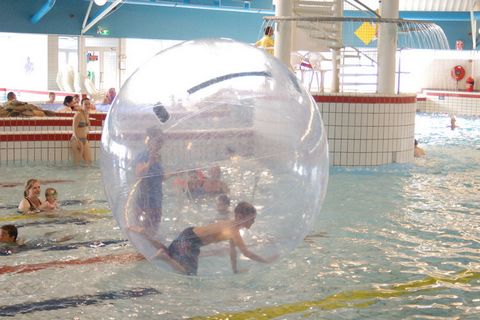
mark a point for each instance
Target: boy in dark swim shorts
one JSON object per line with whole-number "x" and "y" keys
{"x": 183, "y": 252}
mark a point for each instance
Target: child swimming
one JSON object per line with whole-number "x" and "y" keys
{"x": 223, "y": 208}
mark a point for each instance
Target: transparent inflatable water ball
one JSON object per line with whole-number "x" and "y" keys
{"x": 213, "y": 149}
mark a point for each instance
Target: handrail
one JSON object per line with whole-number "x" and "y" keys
{"x": 364, "y": 6}
{"x": 365, "y": 55}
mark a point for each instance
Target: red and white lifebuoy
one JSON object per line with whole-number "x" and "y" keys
{"x": 458, "y": 72}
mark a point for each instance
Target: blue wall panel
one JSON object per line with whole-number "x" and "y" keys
{"x": 132, "y": 21}
{"x": 149, "y": 21}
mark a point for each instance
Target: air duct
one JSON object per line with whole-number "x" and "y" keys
{"x": 47, "y": 6}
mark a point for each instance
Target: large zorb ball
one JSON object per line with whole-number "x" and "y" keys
{"x": 202, "y": 119}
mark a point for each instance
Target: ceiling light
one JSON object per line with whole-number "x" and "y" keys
{"x": 100, "y": 2}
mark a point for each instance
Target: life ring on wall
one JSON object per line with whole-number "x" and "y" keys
{"x": 458, "y": 72}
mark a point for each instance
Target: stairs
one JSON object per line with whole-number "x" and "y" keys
{"x": 325, "y": 35}
{"x": 357, "y": 67}
{"x": 358, "y": 70}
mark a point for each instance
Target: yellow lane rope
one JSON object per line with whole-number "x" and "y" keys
{"x": 348, "y": 299}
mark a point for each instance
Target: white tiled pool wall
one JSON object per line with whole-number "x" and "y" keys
{"x": 362, "y": 130}
{"x": 368, "y": 130}
{"x": 33, "y": 139}
{"x": 458, "y": 103}
{"x": 198, "y": 149}
{"x": 40, "y": 151}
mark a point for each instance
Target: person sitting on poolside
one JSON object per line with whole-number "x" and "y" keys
{"x": 76, "y": 101}
{"x": 418, "y": 152}
{"x": 31, "y": 203}
{"x": 11, "y": 96}
{"x": 110, "y": 96}
{"x": 51, "y": 197}
{"x": 8, "y": 234}
{"x": 51, "y": 98}
{"x": 68, "y": 105}
{"x": 214, "y": 184}
{"x": 183, "y": 252}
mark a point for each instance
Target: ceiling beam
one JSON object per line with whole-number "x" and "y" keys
{"x": 102, "y": 14}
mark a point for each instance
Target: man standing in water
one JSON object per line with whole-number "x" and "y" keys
{"x": 149, "y": 193}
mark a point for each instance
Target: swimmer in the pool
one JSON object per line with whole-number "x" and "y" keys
{"x": 183, "y": 252}
{"x": 8, "y": 234}
{"x": 195, "y": 183}
{"x": 31, "y": 203}
{"x": 418, "y": 152}
{"x": 214, "y": 184}
{"x": 51, "y": 197}
{"x": 79, "y": 141}
{"x": 11, "y": 244}
{"x": 453, "y": 122}
{"x": 223, "y": 207}
{"x": 8, "y": 240}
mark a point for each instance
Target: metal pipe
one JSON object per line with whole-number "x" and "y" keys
{"x": 101, "y": 15}
{"x": 218, "y": 7}
{"x": 47, "y": 6}
{"x": 85, "y": 20}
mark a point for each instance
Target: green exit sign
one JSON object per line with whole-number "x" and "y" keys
{"x": 103, "y": 32}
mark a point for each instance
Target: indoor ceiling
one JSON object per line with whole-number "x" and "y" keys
{"x": 428, "y": 5}
{"x": 405, "y": 5}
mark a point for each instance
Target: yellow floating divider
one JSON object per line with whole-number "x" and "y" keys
{"x": 348, "y": 299}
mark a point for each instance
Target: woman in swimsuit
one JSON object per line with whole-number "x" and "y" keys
{"x": 31, "y": 203}
{"x": 81, "y": 126}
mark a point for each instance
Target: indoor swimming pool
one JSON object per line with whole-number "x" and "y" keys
{"x": 400, "y": 241}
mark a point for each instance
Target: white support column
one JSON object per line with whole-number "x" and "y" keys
{"x": 387, "y": 47}
{"x": 52, "y": 62}
{"x": 283, "y": 32}
{"x": 336, "y": 56}
{"x": 82, "y": 63}
{"x": 122, "y": 61}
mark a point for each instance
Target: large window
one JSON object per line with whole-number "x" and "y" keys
{"x": 23, "y": 61}
{"x": 140, "y": 51}
{"x": 68, "y": 52}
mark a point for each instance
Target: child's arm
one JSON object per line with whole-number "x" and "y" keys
{"x": 238, "y": 241}
{"x": 47, "y": 206}
{"x": 23, "y": 206}
{"x": 233, "y": 256}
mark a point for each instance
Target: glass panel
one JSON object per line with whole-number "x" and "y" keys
{"x": 101, "y": 42}
{"x": 93, "y": 67}
{"x": 110, "y": 77}
{"x": 67, "y": 43}
{"x": 141, "y": 50}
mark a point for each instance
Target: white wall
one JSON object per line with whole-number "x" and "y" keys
{"x": 16, "y": 50}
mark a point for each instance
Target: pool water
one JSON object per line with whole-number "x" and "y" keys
{"x": 396, "y": 241}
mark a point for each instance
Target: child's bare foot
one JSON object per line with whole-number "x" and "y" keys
{"x": 136, "y": 229}
{"x": 162, "y": 254}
